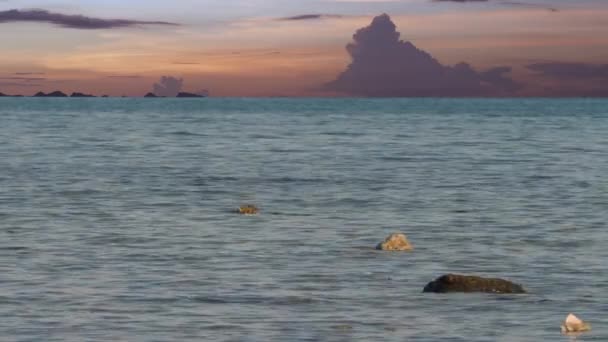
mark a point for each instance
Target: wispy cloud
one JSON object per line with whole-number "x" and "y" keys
{"x": 570, "y": 71}
{"x": 28, "y": 73}
{"x": 186, "y": 63}
{"x": 15, "y": 84}
{"x": 124, "y": 76}
{"x": 508, "y": 3}
{"x": 310, "y": 17}
{"x": 24, "y": 79}
{"x": 529, "y": 5}
{"x": 72, "y": 21}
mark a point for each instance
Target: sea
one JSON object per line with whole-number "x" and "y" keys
{"x": 118, "y": 218}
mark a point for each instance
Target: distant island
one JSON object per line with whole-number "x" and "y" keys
{"x": 61, "y": 94}
{"x": 81, "y": 95}
{"x": 183, "y": 94}
{"x": 58, "y": 93}
{"x": 180, "y": 94}
{"x": 53, "y": 94}
{"x": 5, "y": 95}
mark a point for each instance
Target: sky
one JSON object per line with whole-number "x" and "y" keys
{"x": 381, "y": 48}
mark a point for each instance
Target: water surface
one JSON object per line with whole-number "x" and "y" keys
{"x": 116, "y": 219}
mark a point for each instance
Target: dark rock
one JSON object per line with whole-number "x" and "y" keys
{"x": 81, "y": 95}
{"x": 461, "y": 283}
{"x": 184, "y": 94}
{"x": 2, "y": 95}
{"x": 150, "y": 95}
{"x": 104, "y": 96}
{"x": 40, "y": 94}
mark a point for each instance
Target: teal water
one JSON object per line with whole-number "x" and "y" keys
{"x": 116, "y": 219}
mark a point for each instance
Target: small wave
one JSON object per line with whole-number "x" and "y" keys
{"x": 263, "y": 136}
{"x": 203, "y": 181}
{"x": 290, "y": 214}
{"x": 82, "y": 192}
{"x": 296, "y": 180}
{"x": 212, "y": 180}
{"x": 14, "y": 248}
{"x": 186, "y": 133}
{"x": 460, "y": 211}
{"x": 230, "y": 327}
{"x": 279, "y": 301}
{"x": 411, "y": 159}
{"x": 121, "y": 240}
{"x": 281, "y": 150}
{"x": 343, "y": 134}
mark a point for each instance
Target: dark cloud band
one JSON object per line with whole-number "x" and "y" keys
{"x": 72, "y": 21}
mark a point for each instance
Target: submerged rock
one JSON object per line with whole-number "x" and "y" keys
{"x": 395, "y": 242}
{"x": 573, "y": 324}
{"x": 461, "y": 283}
{"x": 248, "y": 210}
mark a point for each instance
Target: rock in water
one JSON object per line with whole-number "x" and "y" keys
{"x": 461, "y": 283}
{"x": 573, "y": 324}
{"x": 395, "y": 242}
{"x": 248, "y": 210}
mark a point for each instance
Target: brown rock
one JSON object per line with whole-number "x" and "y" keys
{"x": 248, "y": 210}
{"x": 395, "y": 242}
{"x": 461, "y": 283}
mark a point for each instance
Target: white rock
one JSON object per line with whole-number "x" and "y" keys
{"x": 574, "y": 324}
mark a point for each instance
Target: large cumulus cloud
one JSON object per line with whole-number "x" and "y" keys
{"x": 168, "y": 86}
{"x": 385, "y": 66}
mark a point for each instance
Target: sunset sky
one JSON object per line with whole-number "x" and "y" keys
{"x": 298, "y": 47}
